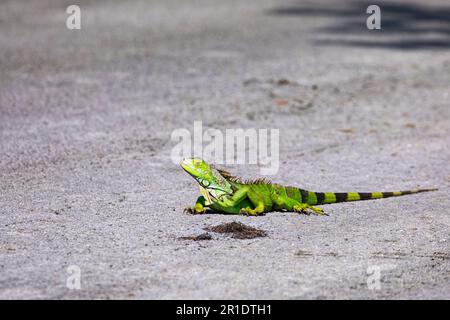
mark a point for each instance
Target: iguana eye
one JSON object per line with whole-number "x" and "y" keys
{"x": 205, "y": 183}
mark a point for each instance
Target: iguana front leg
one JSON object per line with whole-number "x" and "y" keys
{"x": 229, "y": 204}
{"x": 234, "y": 199}
{"x": 199, "y": 207}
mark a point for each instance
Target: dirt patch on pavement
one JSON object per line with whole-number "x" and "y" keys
{"x": 200, "y": 237}
{"x": 238, "y": 230}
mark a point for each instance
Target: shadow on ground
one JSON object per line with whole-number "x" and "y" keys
{"x": 404, "y": 26}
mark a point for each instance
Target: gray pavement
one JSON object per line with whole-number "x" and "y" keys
{"x": 86, "y": 177}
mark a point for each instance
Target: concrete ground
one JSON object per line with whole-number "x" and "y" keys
{"x": 86, "y": 177}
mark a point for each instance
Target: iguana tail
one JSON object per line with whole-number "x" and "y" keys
{"x": 314, "y": 198}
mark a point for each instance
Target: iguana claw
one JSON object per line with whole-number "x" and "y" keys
{"x": 194, "y": 210}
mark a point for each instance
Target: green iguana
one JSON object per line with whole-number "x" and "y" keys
{"x": 225, "y": 193}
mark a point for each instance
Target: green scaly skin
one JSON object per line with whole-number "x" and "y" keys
{"x": 224, "y": 193}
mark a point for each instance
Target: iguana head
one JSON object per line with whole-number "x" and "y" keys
{"x": 209, "y": 179}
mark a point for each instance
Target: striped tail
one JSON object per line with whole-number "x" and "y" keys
{"x": 314, "y": 198}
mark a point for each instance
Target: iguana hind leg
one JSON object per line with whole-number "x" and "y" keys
{"x": 289, "y": 200}
{"x": 283, "y": 200}
{"x": 306, "y": 208}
